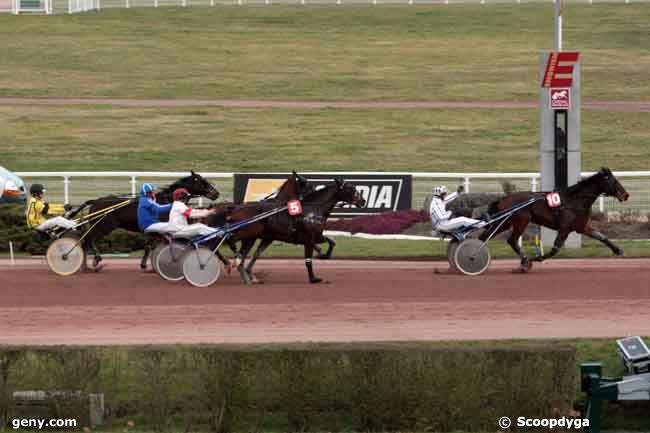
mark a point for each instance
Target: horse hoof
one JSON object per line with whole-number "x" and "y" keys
{"x": 522, "y": 269}
{"x": 143, "y": 266}
{"x": 315, "y": 280}
{"x": 620, "y": 253}
{"x": 324, "y": 257}
{"x": 98, "y": 267}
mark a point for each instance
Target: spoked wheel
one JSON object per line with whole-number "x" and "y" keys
{"x": 201, "y": 267}
{"x": 451, "y": 251}
{"x": 155, "y": 253}
{"x": 169, "y": 261}
{"x": 472, "y": 257}
{"x": 65, "y": 256}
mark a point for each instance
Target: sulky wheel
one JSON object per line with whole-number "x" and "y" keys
{"x": 201, "y": 267}
{"x": 65, "y": 256}
{"x": 169, "y": 261}
{"x": 451, "y": 251}
{"x": 472, "y": 257}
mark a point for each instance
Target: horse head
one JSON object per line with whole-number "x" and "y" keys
{"x": 295, "y": 186}
{"x": 348, "y": 193}
{"x": 197, "y": 185}
{"x": 609, "y": 184}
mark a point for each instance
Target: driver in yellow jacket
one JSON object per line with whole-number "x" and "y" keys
{"x": 38, "y": 210}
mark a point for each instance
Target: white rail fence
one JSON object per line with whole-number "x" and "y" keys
{"x": 76, "y": 186}
{"x": 74, "y": 6}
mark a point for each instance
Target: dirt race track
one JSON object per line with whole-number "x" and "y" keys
{"x": 365, "y": 300}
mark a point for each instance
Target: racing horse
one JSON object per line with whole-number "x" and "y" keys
{"x": 306, "y": 230}
{"x": 296, "y": 187}
{"x": 127, "y": 217}
{"x": 572, "y": 212}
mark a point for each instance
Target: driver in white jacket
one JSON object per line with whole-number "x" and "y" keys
{"x": 441, "y": 218}
{"x": 181, "y": 212}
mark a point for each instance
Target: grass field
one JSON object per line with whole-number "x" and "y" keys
{"x": 418, "y": 52}
{"x": 213, "y": 139}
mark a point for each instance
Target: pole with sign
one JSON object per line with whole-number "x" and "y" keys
{"x": 559, "y": 108}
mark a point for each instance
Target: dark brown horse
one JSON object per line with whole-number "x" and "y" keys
{"x": 127, "y": 217}
{"x": 306, "y": 229}
{"x": 572, "y": 214}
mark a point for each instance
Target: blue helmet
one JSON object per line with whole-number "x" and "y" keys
{"x": 146, "y": 188}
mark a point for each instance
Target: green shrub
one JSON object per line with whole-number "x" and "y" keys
{"x": 326, "y": 387}
{"x": 13, "y": 227}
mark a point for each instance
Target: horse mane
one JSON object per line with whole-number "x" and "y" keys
{"x": 586, "y": 181}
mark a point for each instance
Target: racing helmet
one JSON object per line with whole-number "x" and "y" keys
{"x": 36, "y": 188}
{"x": 181, "y": 194}
{"x": 440, "y": 190}
{"x": 147, "y": 188}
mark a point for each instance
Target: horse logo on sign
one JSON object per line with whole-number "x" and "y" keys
{"x": 560, "y": 98}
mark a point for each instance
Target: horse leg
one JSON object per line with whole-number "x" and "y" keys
{"x": 557, "y": 245}
{"x": 595, "y": 234}
{"x": 264, "y": 244}
{"x": 145, "y": 256}
{"x": 309, "y": 251}
{"x": 246, "y": 246}
{"x": 518, "y": 228}
{"x": 330, "y": 247}
{"x": 97, "y": 259}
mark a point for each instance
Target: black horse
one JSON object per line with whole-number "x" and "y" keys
{"x": 127, "y": 217}
{"x": 306, "y": 229}
{"x": 572, "y": 214}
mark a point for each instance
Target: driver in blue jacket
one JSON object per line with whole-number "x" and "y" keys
{"x": 149, "y": 211}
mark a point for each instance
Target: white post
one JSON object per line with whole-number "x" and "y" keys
{"x": 601, "y": 203}
{"x": 155, "y": 3}
{"x": 133, "y": 185}
{"x": 533, "y": 184}
{"x": 99, "y": 5}
{"x": 211, "y": 2}
{"x": 467, "y": 183}
{"x": 69, "y": 6}
{"x": 66, "y": 190}
{"x": 559, "y": 5}
{"x": 14, "y": 7}
{"x": 128, "y": 4}
{"x": 239, "y": 2}
{"x": 184, "y": 3}
{"x": 11, "y": 253}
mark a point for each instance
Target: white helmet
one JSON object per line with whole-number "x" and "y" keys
{"x": 440, "y": 190}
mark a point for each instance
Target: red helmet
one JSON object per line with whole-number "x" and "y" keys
{"x": 181, "y": 194}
